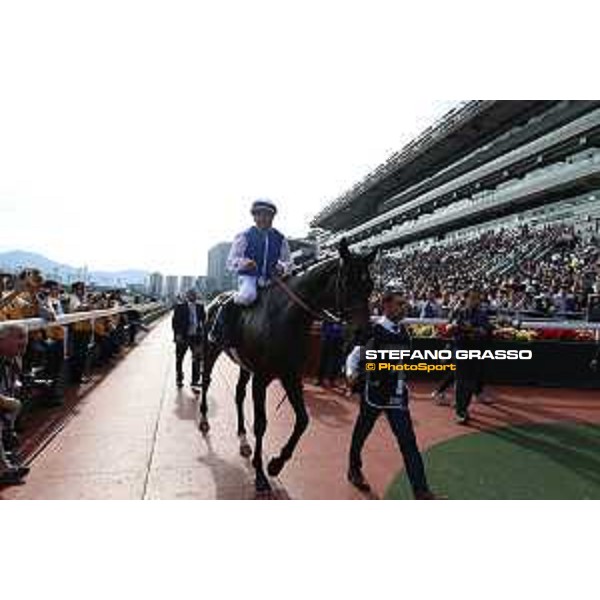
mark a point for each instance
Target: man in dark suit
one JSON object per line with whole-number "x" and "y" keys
{"x": 188, "y": 328}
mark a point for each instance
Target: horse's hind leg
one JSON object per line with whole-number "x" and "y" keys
{"x": 259, "y": 397}
{"x": 211, "y": 353}
{"x": 293, "y": 388}
{"x": 240, "y": 395}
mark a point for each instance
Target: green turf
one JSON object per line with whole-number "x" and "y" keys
{"x": 541, "y": 461}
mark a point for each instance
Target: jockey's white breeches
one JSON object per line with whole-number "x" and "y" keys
{"x": 247, "y": 290}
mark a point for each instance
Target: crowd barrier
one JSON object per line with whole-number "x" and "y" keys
{"x": 149, "y": 311}
{"x": 92, "y": 315}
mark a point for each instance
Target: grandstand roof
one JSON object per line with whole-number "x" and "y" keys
{"x": 456, "y": 134}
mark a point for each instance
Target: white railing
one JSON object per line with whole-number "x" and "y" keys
{"x": 92, "y": 315}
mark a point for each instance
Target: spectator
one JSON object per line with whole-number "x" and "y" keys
{"x": 546, "y": 269}
{"x": 431, "y": 309}
{"x": 81, "y": 333}
{"x": 13, "y": 342}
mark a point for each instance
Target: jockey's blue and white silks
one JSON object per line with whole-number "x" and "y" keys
{"x": 263, "y": 246}
{"x": 268, "y": 248}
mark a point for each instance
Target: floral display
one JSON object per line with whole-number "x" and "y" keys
{"x": 511, "y": 334}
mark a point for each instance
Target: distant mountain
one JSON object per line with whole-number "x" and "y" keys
{"x": 18, "y": 259}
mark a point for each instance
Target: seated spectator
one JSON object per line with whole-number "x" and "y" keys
{"x": 55, "y": 351}
{"x": 13, "y": 342}
{"x": 81, "y": 333}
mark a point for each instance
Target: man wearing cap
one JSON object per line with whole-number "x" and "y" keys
{"x": 257, "y": 255}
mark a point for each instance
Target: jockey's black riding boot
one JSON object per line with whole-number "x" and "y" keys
{"x": 230, "y": 316}
{"x": 223, "y": 330}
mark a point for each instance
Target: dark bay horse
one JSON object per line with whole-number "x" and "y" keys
{"x": 273, "y": 340}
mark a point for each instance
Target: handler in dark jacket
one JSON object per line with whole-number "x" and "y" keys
{"x": 386, "y": 391}
{"x": 471, "y": 329}
{"x": 188, "y": 328}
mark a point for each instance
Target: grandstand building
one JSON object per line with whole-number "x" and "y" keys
{"x": 485, "y": 164}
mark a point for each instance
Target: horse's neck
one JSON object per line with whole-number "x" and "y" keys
{"x": 316, "y": 287}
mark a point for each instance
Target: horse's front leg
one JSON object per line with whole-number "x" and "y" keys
{"x": 240, "y": 395}
{"x": 259, "y": 397}
{"x": 293, "y": 388}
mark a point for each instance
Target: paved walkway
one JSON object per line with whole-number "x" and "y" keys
{"x": 134, "y": 436}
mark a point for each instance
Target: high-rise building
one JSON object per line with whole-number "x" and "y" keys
{"x": 202, "y": 284}
{"x": 155, "y": 285}
{"x": 188, "y": 282}
{"x": 172, "y": 286}
{"x": 219, "y": 277}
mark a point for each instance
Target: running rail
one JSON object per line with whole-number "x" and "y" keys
{"x": 92, "y": 315}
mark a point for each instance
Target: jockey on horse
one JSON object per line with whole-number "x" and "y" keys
{"x": 257, "y": 255}
{"x": 271, "y": 338}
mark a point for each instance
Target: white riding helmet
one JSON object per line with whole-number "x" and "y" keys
{"x": 263, "y": 204}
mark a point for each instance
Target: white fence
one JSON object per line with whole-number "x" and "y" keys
{"x": 93, "y": 315}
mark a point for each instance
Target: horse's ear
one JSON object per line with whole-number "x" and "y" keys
{"x": 344, "y": 250}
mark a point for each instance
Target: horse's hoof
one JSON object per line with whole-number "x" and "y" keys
{"x": 275, "y": 465}
{"x": 262, "y": 485}
{"x": 246, "y": 450}
{"x": 203, "y": 426}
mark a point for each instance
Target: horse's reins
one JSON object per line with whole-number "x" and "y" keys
{"x": 322, "y": 314}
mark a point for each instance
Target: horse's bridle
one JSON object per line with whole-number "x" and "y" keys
{"x": 320, "y": 314}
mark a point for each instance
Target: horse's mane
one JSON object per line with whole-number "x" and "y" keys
{"x": 318, "y": 268}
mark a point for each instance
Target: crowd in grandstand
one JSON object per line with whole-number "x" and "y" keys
{"x": 544, "y": 271}
{"x": 37, "y": 374}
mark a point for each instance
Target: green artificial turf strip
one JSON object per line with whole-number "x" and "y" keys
{"x": 538, "y": 461}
